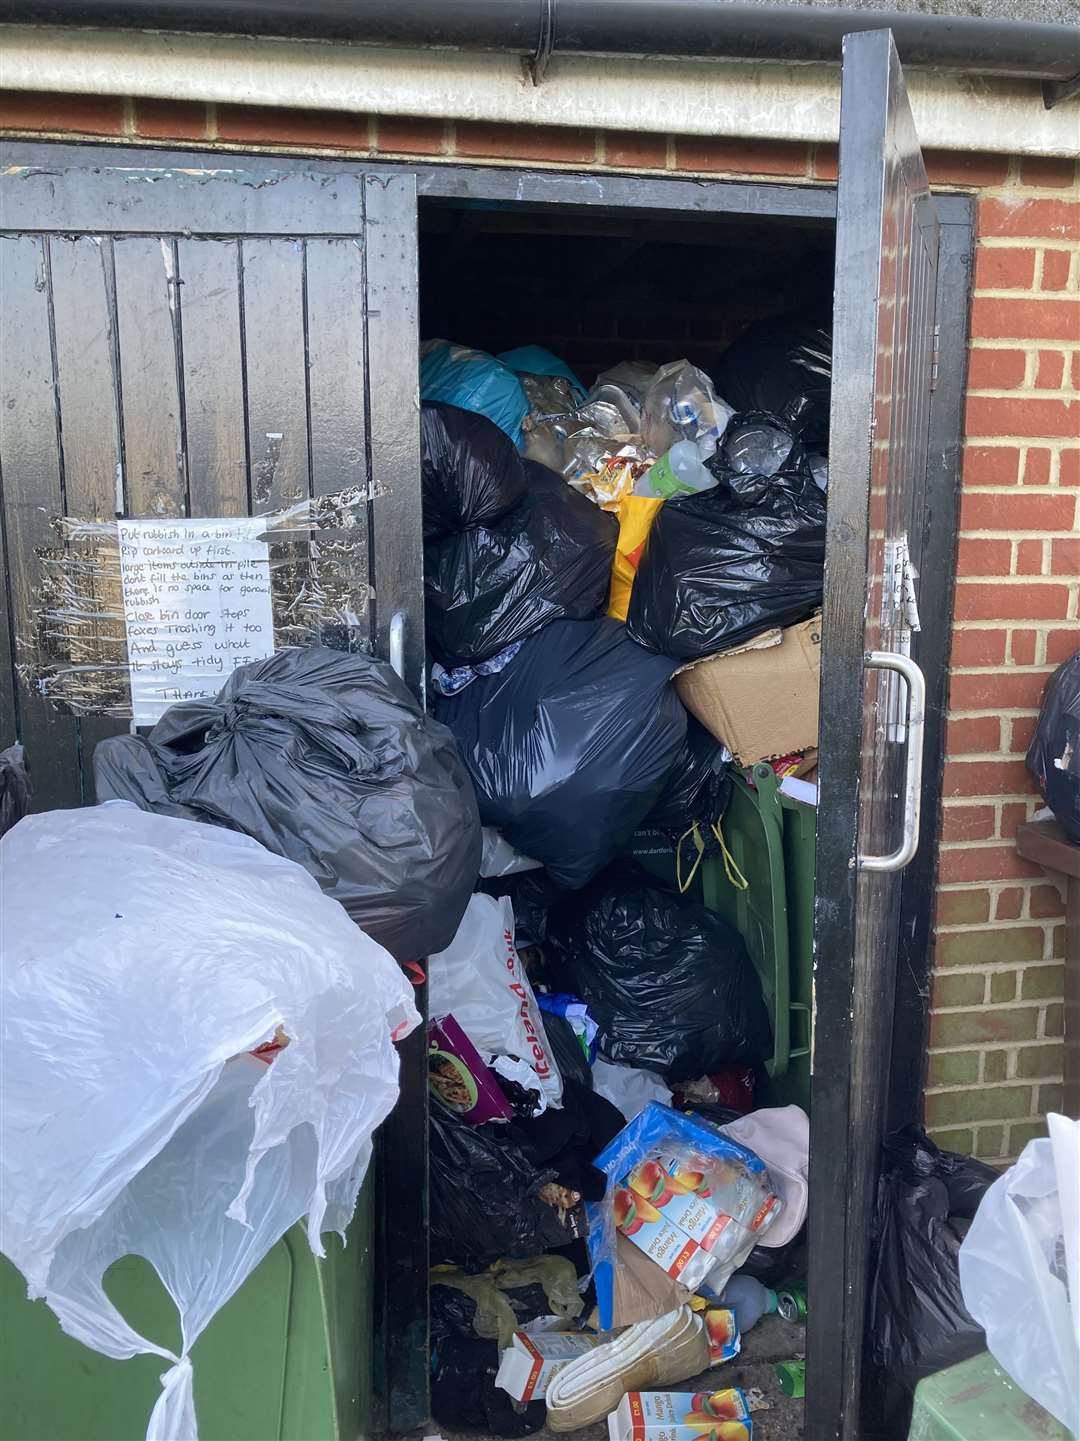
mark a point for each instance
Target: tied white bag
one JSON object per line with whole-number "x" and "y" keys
{"x": 1020, "y": 1271}
{"x": 480, "y": 981}
{"x": 144, "y": 958}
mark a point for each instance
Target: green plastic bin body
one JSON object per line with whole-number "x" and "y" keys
{"x": 770, "y": 839}
{"x": 288, "y": 1358}
{"x": 977, "y": 1401}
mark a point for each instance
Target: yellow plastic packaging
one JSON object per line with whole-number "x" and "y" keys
{"x": 636, "y": 514}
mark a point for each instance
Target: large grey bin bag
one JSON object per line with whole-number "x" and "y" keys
{"x": 327, "y": 759}
{"x": 569, "y": 745}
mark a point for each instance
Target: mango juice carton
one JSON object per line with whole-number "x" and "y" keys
{"x": 681, "y": 1416}
{"x": 676, "y": 1253}
{"x": 681, "y": 1196}
{"x": 722, "y": 1329}
{"x": 530, "y": 1361}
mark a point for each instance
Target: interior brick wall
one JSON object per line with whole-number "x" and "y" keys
{"x": 995, "y": 1061}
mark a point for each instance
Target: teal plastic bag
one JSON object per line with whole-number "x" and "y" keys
{"x": 535, "y": 360}
{"x": 473, "y": 380}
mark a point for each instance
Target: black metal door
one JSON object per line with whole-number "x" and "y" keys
{"x": 872, "y": 693}
{"x": 188, "y": 340}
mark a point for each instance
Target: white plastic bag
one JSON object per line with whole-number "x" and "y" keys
{"x": 1020, "y": 1271}
{"x": 144, "y": 958}
{"x": 480, "y": 981}
{"x": 499, "y": 857}
{"x": 627, "y": 1088}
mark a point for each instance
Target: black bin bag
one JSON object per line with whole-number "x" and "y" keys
{"x": 918, "y": 1323}
{"x": 784, "y": 366}
{"x": 548, "y": 558}
{"x": 487, "y": 1196}
{"x": 470, "y": 470}
{"x": 1053, "y": 757}
{"x": 326, "y": 758}
{"x": 697, "y": 791}
{"x": 464, "y": 1396}
{"x": 669, "y": 983}
{"x": 570, "y": 744}
{"x": 14, "y": 787}
{"x": 723, "y": 566}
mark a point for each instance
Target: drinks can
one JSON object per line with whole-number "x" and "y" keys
{"x": 791, "y": 1303}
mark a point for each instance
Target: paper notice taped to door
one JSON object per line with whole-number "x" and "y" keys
{"x": 196, "y": 605}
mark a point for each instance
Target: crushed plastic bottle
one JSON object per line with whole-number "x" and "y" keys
{"x": 680, "y": 472}
{"x": 749, "y": 1299}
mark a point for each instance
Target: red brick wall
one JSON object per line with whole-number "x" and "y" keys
{"x": 996, "y": 1048}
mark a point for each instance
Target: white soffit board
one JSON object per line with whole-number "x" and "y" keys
{"x": 718, "y": 98}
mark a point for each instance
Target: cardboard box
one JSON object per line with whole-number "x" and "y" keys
{"x": 761, "y": 699}
{"x": 681, "y": 1416}
{"x": 530, "y": 1361}
{"x": 458, "y": 1078}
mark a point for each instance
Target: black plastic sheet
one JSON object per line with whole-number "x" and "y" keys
{"x": 722, "y": 567}
{"x": 1053, "y": 757}
{"x": 918, "y": 1322}
{"x": 326, "y": 758}
{"x": 668, "y": 982}
{"x": 548, "y": 558}
{"x": 569, "y": 746}
{"x": 464, "y": 1397}
{"x": 470, "y": 470}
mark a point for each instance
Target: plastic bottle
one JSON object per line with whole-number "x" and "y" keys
{"x": 680, "y": 472}
{"x": 749, "y": 1299}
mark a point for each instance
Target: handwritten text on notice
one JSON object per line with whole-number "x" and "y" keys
{"x": 196, "y": 606}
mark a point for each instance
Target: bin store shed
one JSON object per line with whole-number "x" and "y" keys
{"x": 327, "y": 190}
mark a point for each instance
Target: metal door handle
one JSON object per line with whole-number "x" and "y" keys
{"x": 916, "y": 726}
{"x": 397, "y": 643}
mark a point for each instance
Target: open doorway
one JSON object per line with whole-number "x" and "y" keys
{"x": 599, "y": 289}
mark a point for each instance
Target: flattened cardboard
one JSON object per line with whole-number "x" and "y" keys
{"x": 760, "y": 700}
{"x": 643, "y": 1292}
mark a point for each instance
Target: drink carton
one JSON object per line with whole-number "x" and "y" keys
{"x": 683, "y": 1197}
{"x": 676, "y": 1253}
{"x": 681, "y": 1416}
{"x": 530, "y": 1361}
{"x": 722, "y": 1329}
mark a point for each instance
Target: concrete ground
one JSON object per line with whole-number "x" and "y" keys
{"x": 771, "y": 1340}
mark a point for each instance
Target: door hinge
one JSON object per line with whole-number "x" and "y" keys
{"x": 935, "y": 357}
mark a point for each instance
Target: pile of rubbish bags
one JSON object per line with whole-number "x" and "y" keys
{"x": 581, "y": 545}
{"x": 268, "y": 869}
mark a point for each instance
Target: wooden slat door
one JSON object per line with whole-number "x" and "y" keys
{"x": 222, "y": 338}
{"x": 203, "y": 341}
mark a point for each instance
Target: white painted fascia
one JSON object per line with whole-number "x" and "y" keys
{"x": 735, "y": 99}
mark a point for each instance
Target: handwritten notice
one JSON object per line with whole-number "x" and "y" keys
{"x": 196, "y": 606}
